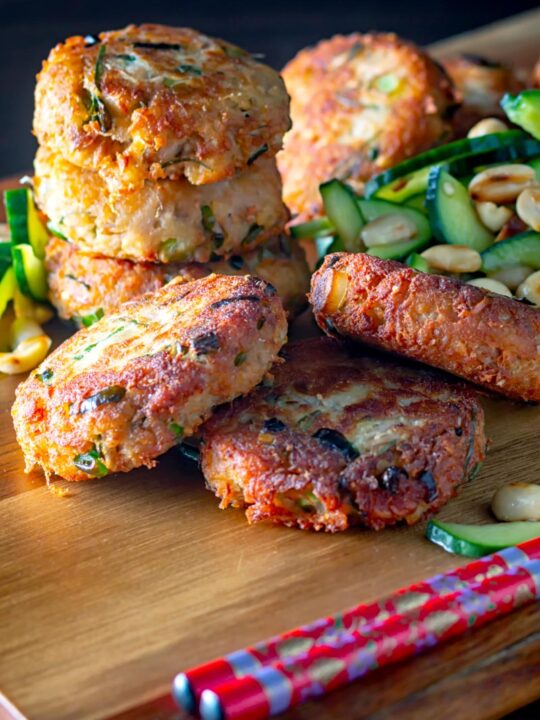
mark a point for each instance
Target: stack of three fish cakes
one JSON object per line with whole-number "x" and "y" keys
{"x": 156, "y": 159}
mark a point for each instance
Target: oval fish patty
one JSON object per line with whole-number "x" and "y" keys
{"x": 359, "y": 104}
{"x": 341, "y": 438}
{"x": 151, "y": 101}
{"x": 165, "y": 221}
{"x": 118, "y": 394}
{"x": 488, "y": 339}
{"x": 81, "y": 285}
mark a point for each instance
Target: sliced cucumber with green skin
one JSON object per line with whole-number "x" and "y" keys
{"x": 24, "y": 223}
{"x": 522, "y": 249}
{"x": 327, "y": 246}
{"x": 417, "y": 262}
{"x": 478, "y": 540}
{"x": 417, "y": 202}
{"x": 341, "y": 206}
{"x": 524, "y": 110}
{"x": 5, "y": 257}
{"x": 452, "y": 214}
{"x": 29, "y": 272}
{"x": 467, "y": 147}
{"x": 7, "y": 289}
{"x": 322, "y": 227}
{"x": 399, "y": 250}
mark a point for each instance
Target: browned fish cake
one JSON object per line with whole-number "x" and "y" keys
{"x": 118, "y": 394}
{"x": 342, "y": 438}
{"x": 81, "y": 285}
{"x": 163, "y": 221}
{"x": 151, "y": 101}
{"x": 488, "y": 339}
{"x": 480, "y": 83}
{"x": 359, "y": 104}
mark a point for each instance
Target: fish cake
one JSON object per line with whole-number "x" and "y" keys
{"x": 117, "y": 395}
{"x": 480, "y": 83}
{"x": 81, "y": 285}
{"x": 151, "y": 101}
{"x": 488, "y": 339}
{"x": 341, "y": 438}
{"x": 359, "y": 104}
{"x": 164, "y": 221}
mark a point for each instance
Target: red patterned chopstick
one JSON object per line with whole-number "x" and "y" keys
{"x": 273, "y": 676}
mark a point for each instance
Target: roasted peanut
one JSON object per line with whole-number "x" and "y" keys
{"x": 388, "y": 229}
{"x": 501, "y": 184}
{"x": 486, "y": 127}
{"x": 453, "y": 258}
{"x": 493, "y": 216}
{"x": 512, "y": 276}
{"x": 528, "y": 207}
{"x": 491, "y": 285}
{"x": 517, "y": 501}
{"x": 530, "y": 288}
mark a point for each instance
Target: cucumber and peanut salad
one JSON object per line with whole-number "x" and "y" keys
{"x": 23, "y": 286}
{"x": 470, "y": 209}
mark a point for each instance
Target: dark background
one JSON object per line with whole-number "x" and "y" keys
{"x": 29, "y": 28}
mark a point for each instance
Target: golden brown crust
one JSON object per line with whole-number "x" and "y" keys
{"x": 165, "y": 102}
{"x": 359, "y": 104}
{"x": 490, "y": 340}
{"x": 125, "y": 390}
{"x": 81, "y": 284}
{"x": 480, "y": 83}
{"x": 342, "y": 438}
{"x": 163, "y": 221}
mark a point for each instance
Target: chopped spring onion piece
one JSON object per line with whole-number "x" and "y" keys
{"x": 524, "y": 110}
{"x": 91, "y": 463}
{"x": 254, "y": 155}
{"x": 91, "y": 318}
{"x": 111, "y": 394}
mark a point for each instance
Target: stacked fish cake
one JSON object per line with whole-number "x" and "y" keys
{"x": 157, "y": 146}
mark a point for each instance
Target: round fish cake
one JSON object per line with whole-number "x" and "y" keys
{"x": 151, "y": 101}
{"x": 117, "y": 395}
{"x": 340, "y": 438}
{"x": 488, "y": 339}
{"x": 81, "y": 285}
{"x": 359, "y": 104}
{"x": 481, "y": 83}
{"x": 164, "y": 221}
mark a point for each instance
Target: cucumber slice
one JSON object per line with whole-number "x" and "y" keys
{"x": 522, "y": 249}
{"x": 398, "y": 251}
{"x": 322, "y": 227}
{"x": 7, "y": 289}
{"x": 417, "y": 202}
{"x": 341, "y": 206}
{"x": 29, "y": 272}
{"x": 469, "y": 147}
{"x": 417, "y": 262}
{"x": 24, "y": 223}
{"x": 478, "y": 540}
{"x": 452, "y": 214}
{"x": 5, "y": 257}
{"x": 524, "y": 110}
{"x": 327, "y": 246}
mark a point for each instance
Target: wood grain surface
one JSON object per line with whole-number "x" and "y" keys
{"x": 107, "y": 593}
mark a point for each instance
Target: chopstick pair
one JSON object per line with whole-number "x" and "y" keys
{"x": 275, "y": 675}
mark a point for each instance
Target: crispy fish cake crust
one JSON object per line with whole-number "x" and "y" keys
{"x": 340, "y": 439}
{"x": 119, "y": 394}
{"x": 488, "y": 339}
{"x": 152, "y": 101}
{"x": 480, "y": 83}
{"x": 359, "y": 104}
{"x": 164, "y": 221}
{"x": 80, "y": 284}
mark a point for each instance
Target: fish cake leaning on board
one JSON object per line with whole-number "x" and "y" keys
{"x": 117, "y": 395}
{"x": 338, "y": 437}
{"x": 489, "y": 339}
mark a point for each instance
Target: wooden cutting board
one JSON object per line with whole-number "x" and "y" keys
{"x": 107, "y": 593}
